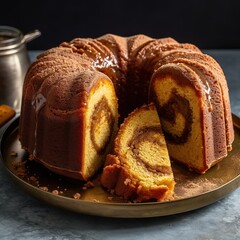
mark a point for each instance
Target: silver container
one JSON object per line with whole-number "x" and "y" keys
{"x": 14, "y": 62}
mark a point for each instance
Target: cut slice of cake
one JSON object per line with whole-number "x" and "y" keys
{"x": 140, "y": 168}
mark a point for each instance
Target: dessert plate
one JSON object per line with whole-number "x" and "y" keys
{"x": 192, "y": 190}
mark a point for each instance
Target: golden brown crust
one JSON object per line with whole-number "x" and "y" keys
{"x": 118, "y": 179}
{"x": 137, "y": 42}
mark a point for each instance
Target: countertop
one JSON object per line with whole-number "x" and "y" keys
{"x": 24, "y": 217}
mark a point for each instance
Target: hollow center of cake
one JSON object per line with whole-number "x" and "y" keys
{"x": 148, "y": 148}
{"x": 101, "y": 125}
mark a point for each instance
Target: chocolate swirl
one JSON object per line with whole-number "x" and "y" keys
{"x": 168, "y": 112}
{"x": 101, "y": 111}
{"x": 152, "y": 134}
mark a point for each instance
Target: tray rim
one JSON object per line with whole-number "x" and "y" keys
{"x": 116, "y": 209}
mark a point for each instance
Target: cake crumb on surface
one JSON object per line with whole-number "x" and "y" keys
{"x": 77, "y": 196}
{"x": 44, "y": 188}
{"x": 13, "y": 154}
{"x": 56, "y": 192}
{"x": 87, "y": 185}
{"x": 33, "y": 179}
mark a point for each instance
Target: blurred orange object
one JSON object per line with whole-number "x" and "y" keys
{"x": 6, "y": 113}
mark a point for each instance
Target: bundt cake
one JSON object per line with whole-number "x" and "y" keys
{"x": 139, "y": 168}
{"x": 70, "y": 113}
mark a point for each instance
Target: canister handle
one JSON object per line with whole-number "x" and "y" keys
{"x": 30, "y": 36}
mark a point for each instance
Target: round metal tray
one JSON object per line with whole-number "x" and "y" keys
{"x": 192, "y": 190}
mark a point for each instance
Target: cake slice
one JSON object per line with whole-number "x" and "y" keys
{"x": 139, "y": 168}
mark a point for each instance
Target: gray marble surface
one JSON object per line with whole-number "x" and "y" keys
{"x": 24, "y": 217}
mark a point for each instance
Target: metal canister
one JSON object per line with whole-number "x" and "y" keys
{"x": 14, "y": 62}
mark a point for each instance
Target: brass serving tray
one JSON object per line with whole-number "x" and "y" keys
{"x": 192, "y": 190}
